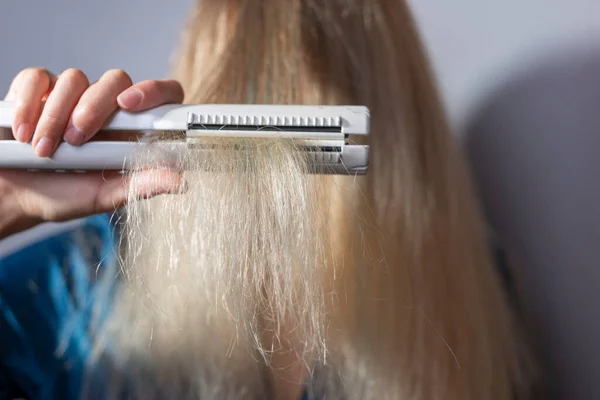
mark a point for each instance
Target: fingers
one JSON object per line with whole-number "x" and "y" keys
{"x": 149, "y": 94}
{"x": 114, "y": 192}
{"x": 27, "y": 91}
{"x": 71, "y": 196}
{"x": 49, "y": 109}
{"x": 96, "y": 106}
{"x": 113, "y": 189}
{"x": 60, "y": 104}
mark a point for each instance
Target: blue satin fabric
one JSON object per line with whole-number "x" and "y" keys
{"x": 48, "y": 295}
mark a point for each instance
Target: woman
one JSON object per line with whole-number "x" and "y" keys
{"x": 255, "y": 280}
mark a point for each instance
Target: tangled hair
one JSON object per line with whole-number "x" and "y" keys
{"x": 371, "y": 287}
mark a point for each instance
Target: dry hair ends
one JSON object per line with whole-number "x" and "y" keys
{"x": 375, "y": 287}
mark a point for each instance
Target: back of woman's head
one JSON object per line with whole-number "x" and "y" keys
{"x": 380, "y": 286}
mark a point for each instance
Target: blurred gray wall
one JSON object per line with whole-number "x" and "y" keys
{"x": 535, "y": 151}
{"x": 473, "y": 43}
{"x": 135, "y": 35}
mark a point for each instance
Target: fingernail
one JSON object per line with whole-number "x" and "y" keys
{"x": 44, "y": 147}
{"x": 130, "y": 98}
{"x": 73, "y": 135}
{"x": 24, "y": 133}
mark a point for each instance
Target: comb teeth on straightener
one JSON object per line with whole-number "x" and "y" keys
{"x": 265, "y": 120}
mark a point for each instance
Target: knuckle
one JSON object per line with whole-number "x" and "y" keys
{"x": 75, "y": 75}
{"x": 21, "y": 108}
{"x": 118, "y": 75}
{"x": 88, "y": 115}
{"x": 177, "y": 88}
{"x": 36, "y": 74}
{"x": 50, "y": 119}
{"x": 29, "y": 77}
{"x": 152, "y": 86}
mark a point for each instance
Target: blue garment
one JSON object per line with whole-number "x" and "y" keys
{"x": 47, "y": 295}
{"x": 48, "y": 291}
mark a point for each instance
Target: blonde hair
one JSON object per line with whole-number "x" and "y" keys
{"x": 380, "y": 286}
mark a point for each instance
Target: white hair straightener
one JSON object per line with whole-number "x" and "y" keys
{"x": 324, "y": 132}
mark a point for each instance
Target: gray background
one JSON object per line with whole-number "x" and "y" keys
{"x": 532, "y": 129}
{"x": 474, "y": 43}
{"x": 135, "y": 35}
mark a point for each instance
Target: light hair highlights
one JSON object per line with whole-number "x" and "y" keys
{"x": 374, "y": 287}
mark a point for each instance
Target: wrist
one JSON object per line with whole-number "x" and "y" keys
{"x": 12, "y": 217}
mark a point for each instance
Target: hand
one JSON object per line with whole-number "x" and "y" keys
{"x": 49, "y": 109}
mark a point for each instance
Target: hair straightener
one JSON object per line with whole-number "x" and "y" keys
{"x": 324, "y": 132}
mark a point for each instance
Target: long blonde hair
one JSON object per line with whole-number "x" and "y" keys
{"x": 384, "y": 281}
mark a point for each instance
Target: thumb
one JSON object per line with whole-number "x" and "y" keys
{"x": 114, "y": 192}
{"x": 47, "y": 196}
